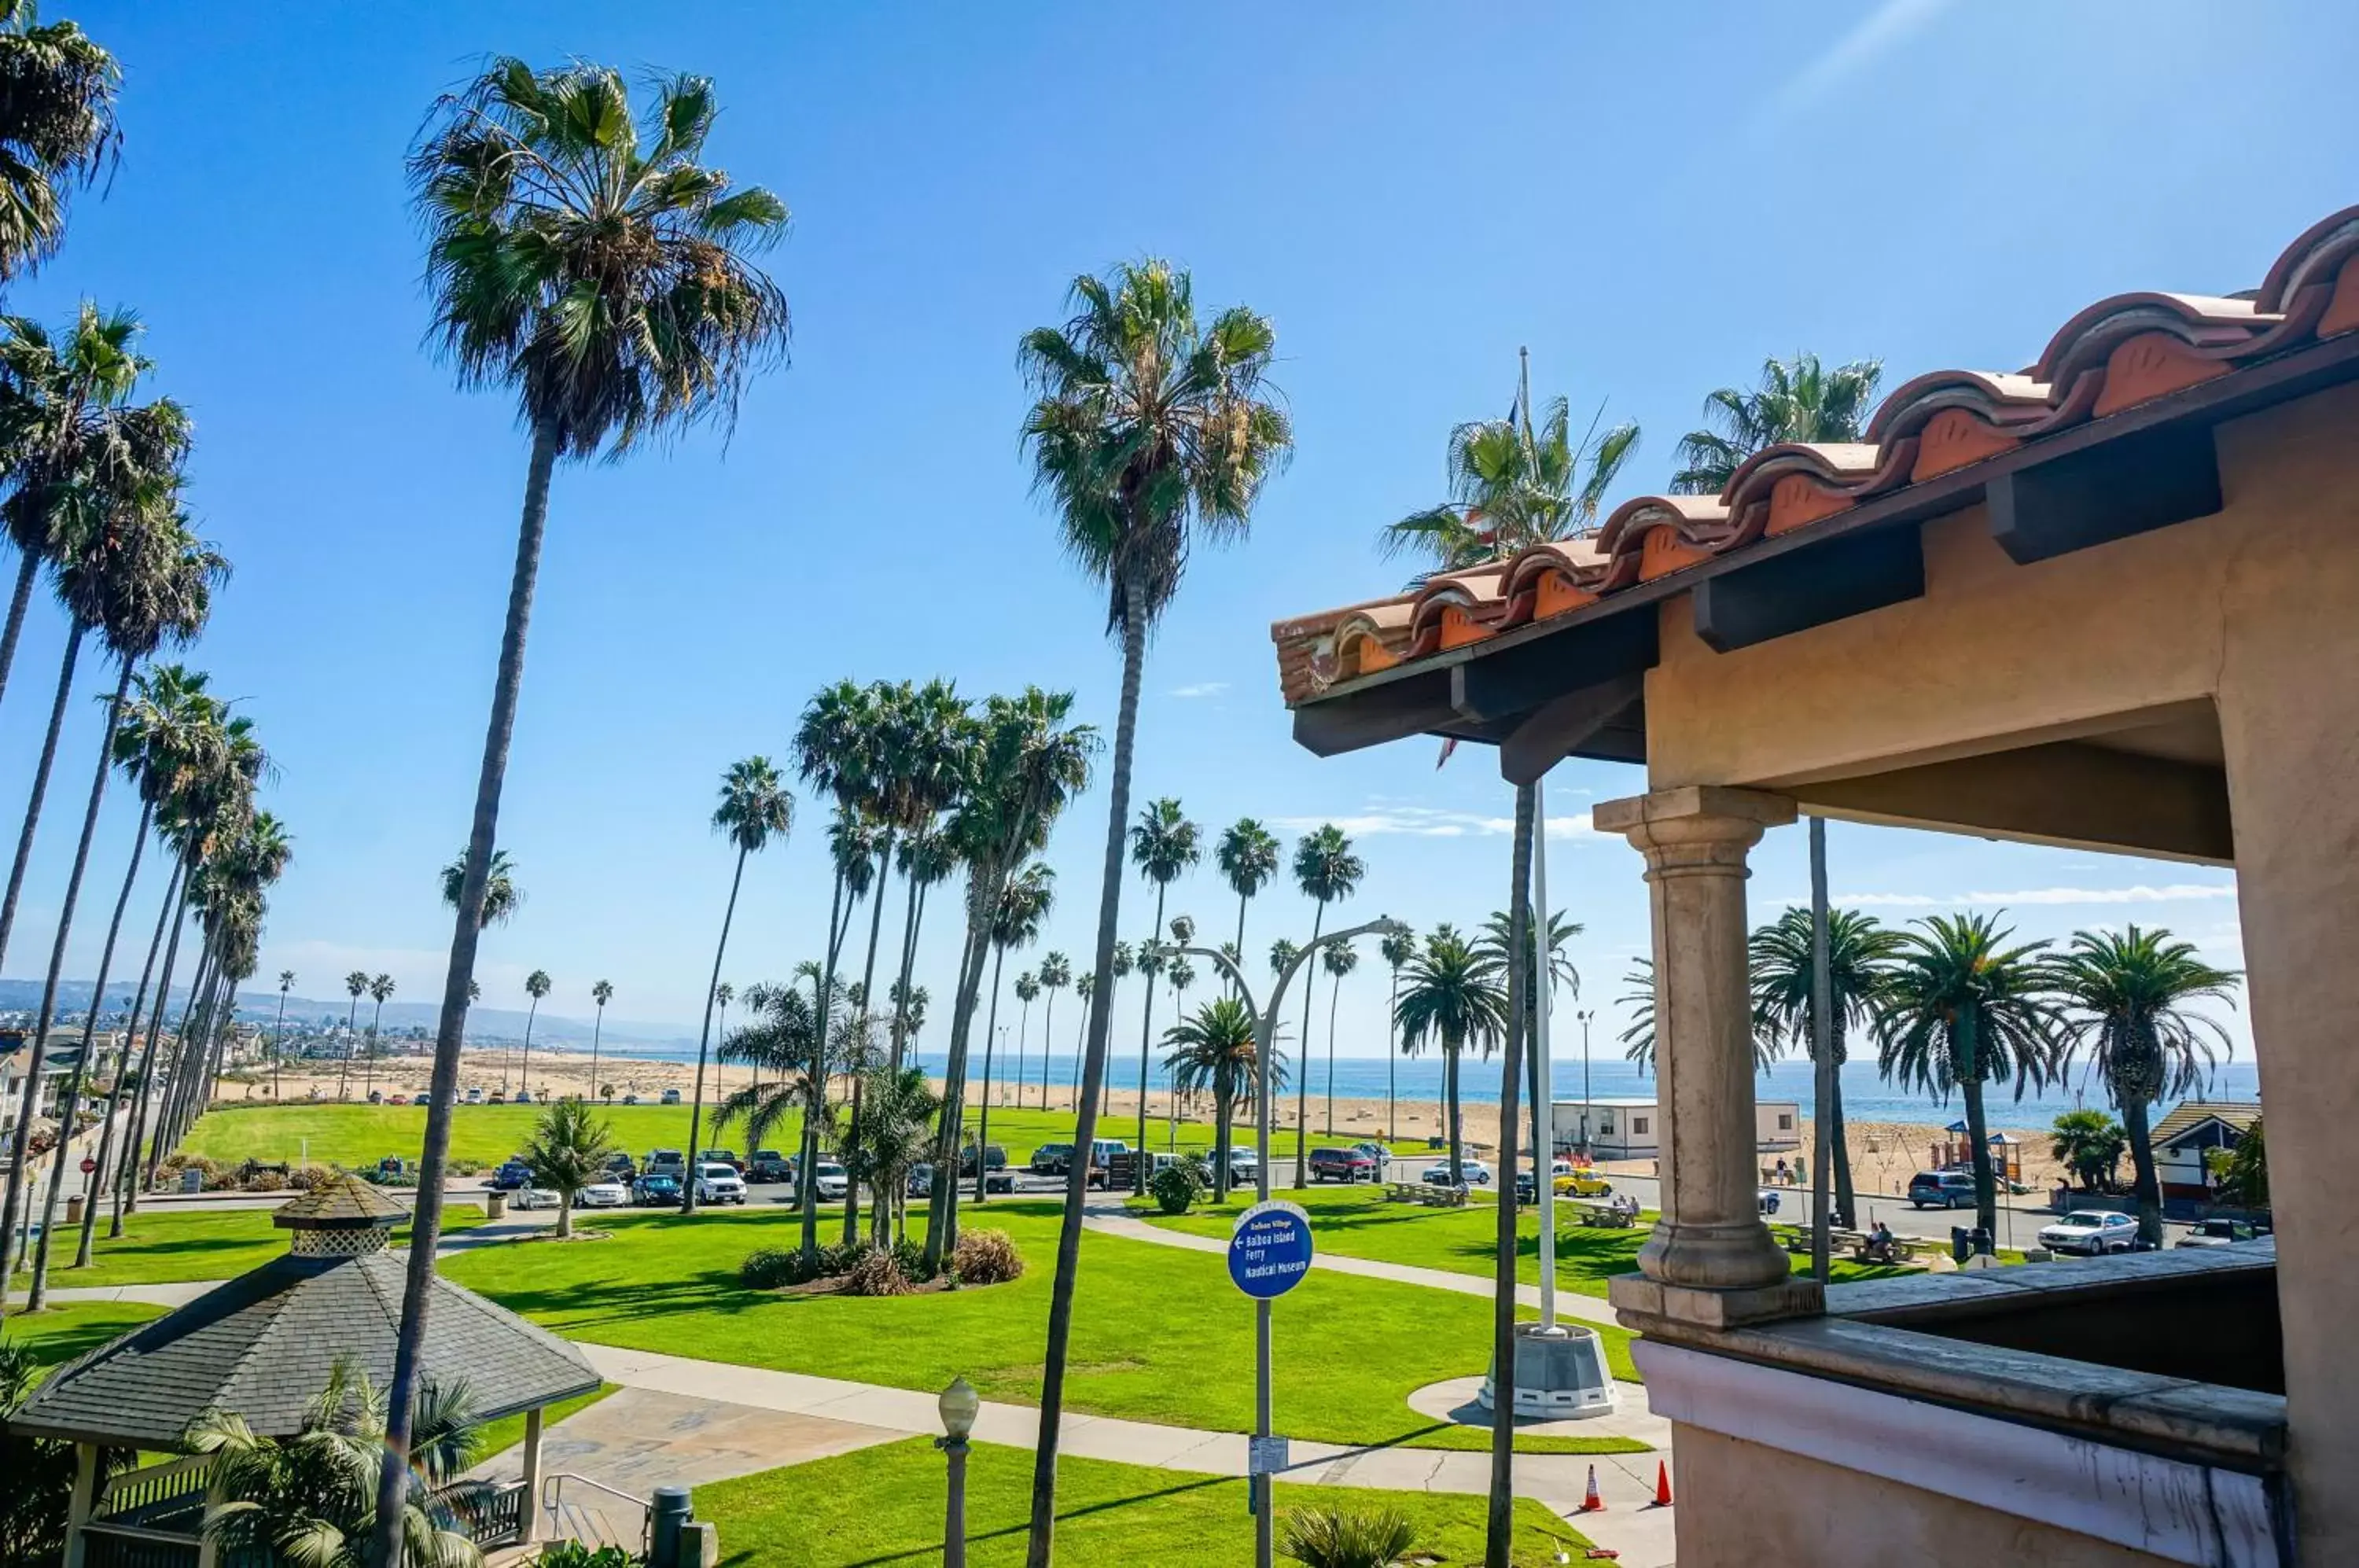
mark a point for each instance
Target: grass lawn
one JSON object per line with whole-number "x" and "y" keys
{"x": 58, "y": 1334}
{"x": 1160, "y": 1334}
{"x": 159, "y": 1246}
{"x": 885, "y": 1505}
{"x": 1356, "y": 1222}
{"x": 359, "y": 1135}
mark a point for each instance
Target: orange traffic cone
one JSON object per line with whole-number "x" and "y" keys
{"x": 1662, "y": 1485}
{"x": 1593, "y": 1504}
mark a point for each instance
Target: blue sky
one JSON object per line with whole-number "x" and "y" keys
{"x": 1653, "y": 198}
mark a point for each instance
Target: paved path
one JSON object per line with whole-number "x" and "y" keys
{"x": 180, "y": 1293}
{"x": 1569, "y": 1303}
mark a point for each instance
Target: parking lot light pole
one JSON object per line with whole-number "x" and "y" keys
{"x": 1264, "y": 1034}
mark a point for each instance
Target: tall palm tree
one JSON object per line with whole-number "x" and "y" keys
{"x": 1797, "y": 400}
{"x": 1024, "y": 906}
{"x": 600, "y": 994}
{"x": 503, "y": 896}
{"x": 1339, "y": 961}
{"x": 2130, "y": 992}
{"x": 1512, "y": 485}
{"x": 1028, "y": 991}
{"x": 1085, "y": 987}
{"x": 755, "y": 806}
{"x": 1163, "y": 844}
{"x": 381, "y": 991}
{"x": 1248, "y": 858}
{"x": 892, "y": 1137}
{"x": 356, "y": 984}
{"x": 57, "y": 131}
{"x": 591, "y": 259}
{"x": 1126, "y": 960}
{"x": 537, "y": 985}
{"x": 1961, "y": 1009}
{"x": 1055, "y": 973}
{"x": 1326, "y": 869}
{"x": 1456, "y": 997}
{"x": 782, "y": 1038}
{"x": 2090, "y": 1145}
{"x": 278, "y": 1030}
{"x": 929, "y": 739}
{"x": 1213, "y": 1050}
{"x": 1859, "y": 948}
{"x": 1396, "y": 948}
{"x": 1149, "y": 432}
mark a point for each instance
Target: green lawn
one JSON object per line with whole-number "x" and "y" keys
{"x": 885, "y": 1505}
{"x": 359, "y": 1135}
{"x": 494, "y": 1438}
{"x": 1160, "y": 1334}
{"x": 58, "y": 1334}
{"x": 1356, "y": 1222}
{"x": 159, "y": 1246}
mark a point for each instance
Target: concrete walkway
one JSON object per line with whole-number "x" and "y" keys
{"x": 1569, "y": 1303}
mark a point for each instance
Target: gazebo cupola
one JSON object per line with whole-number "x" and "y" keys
{"x": 345, "y": 1218}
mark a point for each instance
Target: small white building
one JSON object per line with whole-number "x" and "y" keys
{"x": 1624, "y": 1129}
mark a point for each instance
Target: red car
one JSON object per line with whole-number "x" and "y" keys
{"x": 1342, "y": 1165}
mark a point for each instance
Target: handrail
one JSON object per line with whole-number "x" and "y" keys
{"x": 552, "y": 1500}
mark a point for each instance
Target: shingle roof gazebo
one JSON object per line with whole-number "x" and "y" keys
{"x": 263, "y": 1345}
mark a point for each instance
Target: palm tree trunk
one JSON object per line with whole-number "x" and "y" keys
{"x": 1241, "y": 933}
{"x": 1041, "y": 1542}
{"x": 1498, "y": 1537}
{"x": 73, "y": 1100}
{"x": 425, "y": 1232}
{"x": 942, "y": 1194}
{"x": 1079, "y": 1036}
{"x": 188, "y": 1056}
{"x": 28, "y": 566}
{"x": 344, "y": 1057}
{"x": 21, "y": 1140}
{"x": 1223, "y": 1100}
{"x": 524, "y": 1074}
{"x": 703, "y": 1041}
{"x": 1048, "y": 1029}
{"x": 990, "y": 1037}
{"x": 1970, "y": 1079}
{"x": 1449, "y": 1054}
{"x": 1392, "y": 1059}
{"x": 867, "y": 1005}
{"x": 1081, "y": 1152}
{"x": 913, "y": 911}
{"x": 807, "y": 1150}
{"x": 1302, "y": 1059}
{"x": 597, "y": 1032}
{"x": 97, "y": 1184}
{"x": 2150, "y": 1190}
{"x": 127, "y": 1194}
{"x": 1839, "y": 1148}
{"x": 1334, "y": 999}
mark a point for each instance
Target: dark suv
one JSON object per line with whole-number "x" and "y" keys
{"x": 1342, "y": 1165}
{"x": 1053, "y": 1159}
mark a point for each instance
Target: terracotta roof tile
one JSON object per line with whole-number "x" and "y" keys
{"x": 2118, "y": 353}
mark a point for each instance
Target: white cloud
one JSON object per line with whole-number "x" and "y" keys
{"x": 1378, "y": 821}
{"x": 2172, "y": 893}
{"x": 1200, "y": 689}
{"x": 1878, "y": 33}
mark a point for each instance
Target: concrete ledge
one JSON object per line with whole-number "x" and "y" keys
{"x": 1650, "y": 1306}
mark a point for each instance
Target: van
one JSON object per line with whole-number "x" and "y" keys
{"x": 1941, "y": 1190}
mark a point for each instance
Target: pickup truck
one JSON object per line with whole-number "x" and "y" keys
{"x": 719, "y": 1182}
{"x": 769, "y": 1165}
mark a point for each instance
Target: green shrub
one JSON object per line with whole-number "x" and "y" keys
{"x": 1333, "y": 1538}
{"x": 986, "y": 1257}
{"x": 1177, "y": 1186}
{"x": 575, "y": 1554}
{"x": 771, "y": 1267}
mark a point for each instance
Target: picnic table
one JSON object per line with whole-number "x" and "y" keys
{"x": 1433, "y": 1194}
{"x": 1606, "y": 1214}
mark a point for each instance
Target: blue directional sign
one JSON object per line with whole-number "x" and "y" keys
{"x": 1269, "y": 1251}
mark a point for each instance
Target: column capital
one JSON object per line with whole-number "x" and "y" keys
{"x": 1711, "y": 821}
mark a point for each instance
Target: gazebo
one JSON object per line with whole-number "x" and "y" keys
{"x": 263, "y": 1345}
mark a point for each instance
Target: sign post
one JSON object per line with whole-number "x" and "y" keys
{"x": 1269, "y": 1250}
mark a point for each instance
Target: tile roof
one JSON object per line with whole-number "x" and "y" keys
{"x": 2189, "y": 1114}
{"x": 263, "y": 1345}
{"x": 2118, "y": 354}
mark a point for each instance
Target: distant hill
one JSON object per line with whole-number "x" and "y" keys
{"x": 262, "y": 1008}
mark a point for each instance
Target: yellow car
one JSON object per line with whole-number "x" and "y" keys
{"x": 1583, "y": 1183}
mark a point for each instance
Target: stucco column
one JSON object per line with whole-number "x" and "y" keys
{"x": 84, "y": 1502}
{"x": 528, "y": 1517}
{"x": 1709, "y": 1260}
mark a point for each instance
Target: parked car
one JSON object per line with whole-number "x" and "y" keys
{"x": 1376, "y": 1152}
{"x": 1342, "y": 1165}
{"x": 630, "y": 1099}
{"x": 608, "y": 1195}
{"x": 376, "y": 1096}
{"x": 769, "y": 1165}
{"x": 620, "y": 1168}
{"x": 531, "y": 1197}
{"x": 524, "y": 1097}
{"x": 1053, "y": 1159}
{"x": 1768, "y": 1200}
{"x": 2219, "y": 1232}
{"x": 1244, "y": 1163}
{"x": 655, "y": 1187}
{"x": 722, "y": 1157}
{"x": 719, "y": 1182}
{"x": 921, "y": 1179}
{"x": 1941, "y": 1190}
{"x": 1475, "y": 1174}
{"x": 474, "y": 1096}
{"x": 2091, "y": 1231}
{"x": 995, "y": 1158}
{"x": 513, "y": 1175}
{"x": 1583, "y": 1182}
{"x": 669, "y": 1159}
{"x": 670, "y": 1097}
{"x": 404, "y": 1099}
{"x": 831, "y": 1180}
{"x": 497, "y": 1099}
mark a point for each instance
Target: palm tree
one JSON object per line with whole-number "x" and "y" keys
{"x": 1163, "y": 844}
{"x": 356, "y": 984}
{"x": 1396, "y": 948}
{"x": 1150, "y": 432}
{"x": 600, "y": 993}
{"x": 1126, "y": 960}
{"x": 1961, "y": 1009}
{"x": 2130, "y": 992}
{"x": 1859, "y": 949}
{"x": 502, "y": 895}
{"x": 892, "y": 1138}
{"x": 1086, "y": 988}
{"x": 57, "y": 129}
{"x": 755, "y": 805}
{"x": 537, "y": 985}
{"x": 278, "y": 1032}
{"x": 1056, "y": 972}
{"x": 1213, "y": 1050}
{"x": 1456, "y": 997}
{"x": 1638, "y": 1036}
{"x": 568, "y": 1152}
{"x": 1024, "y": 907}
{"x": 1247, "y": 857}
{"x": 1512, "y": 486}
{"x": 1796, "y": 401}
{"x": 380, "y": 990}
{"x": 2090, "y": 1145}
{"x": 591, "y": 260}
{"x": 1028, "y": 991}
{"x": 1326, "y": 869}
{"x": 1338, "y": 960}
{"x": 783, "y": 1037}
{"x": 928, "y": 741}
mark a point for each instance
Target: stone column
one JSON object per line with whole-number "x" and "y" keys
{"x": 83, "y": 1504}
{"x": 1710, "y": 1261}
{"x": 528, "y": 1517}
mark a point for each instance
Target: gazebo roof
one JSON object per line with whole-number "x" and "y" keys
{"x": 263, "y": 1344}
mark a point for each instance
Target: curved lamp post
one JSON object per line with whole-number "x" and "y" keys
{"x": 960, "y": 1404}
{"x": 1264, "y": 1034}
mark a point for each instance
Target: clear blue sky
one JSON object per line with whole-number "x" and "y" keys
{"x": 1652, "y": 199}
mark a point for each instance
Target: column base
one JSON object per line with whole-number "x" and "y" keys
{"x": 1728, "y": 1255}
{"x": 1643, "y": 1303}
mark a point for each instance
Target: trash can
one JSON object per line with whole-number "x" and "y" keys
{"x": 1981, "y": 1239}
{"x": 667, "y": 1512}
{"x": 495, "y": 1205}
{"x": 73, "y": 1210}
{"x": 192, "y": 1180}
{"x": 1961, "y": 1245}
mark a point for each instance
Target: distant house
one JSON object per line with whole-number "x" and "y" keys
{"x": 15, "y": 1056}
{"x": 2190, "y": 1131}
{"x": 1625, "y": 1128}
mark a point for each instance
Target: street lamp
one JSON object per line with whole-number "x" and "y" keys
{"x": 960, "y": 1404}
{"x": 1264, "y": 1034}
{"x": 1584, "y": 1016}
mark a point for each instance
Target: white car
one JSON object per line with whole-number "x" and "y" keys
{"x": 2091, "y": 1231}
{"x": 532, "y": 1198}
{"x": 1477, "y": 1174}
{"x": 604, "y": 1195}
{"x": 718, "y": 1183}
{"x": 832, "y": 1181}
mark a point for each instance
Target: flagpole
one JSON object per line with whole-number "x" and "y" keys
{"x": 1544, "y": 1112}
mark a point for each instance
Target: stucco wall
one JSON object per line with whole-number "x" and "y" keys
{"x": 1743, "y": 1505}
